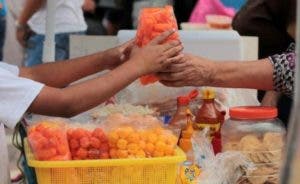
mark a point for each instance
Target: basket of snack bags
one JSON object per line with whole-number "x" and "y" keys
{"x": 122, "y": 149}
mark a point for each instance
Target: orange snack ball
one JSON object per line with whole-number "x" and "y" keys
{"x": 113, "y": 153}
{"x": 84, "y": 142}
{"x": 133, "y": 137}
{"x": 122, "y": 154}
{"x": 160, "y": 146}
{"x": 124, "y": 132}
{"x": 113, "y": 137}
{"x": 104, "y": 147}
{"x": 152, "y": 138}
{"x": 140, "y": 154}
{"x": 95, "y": 143}
{"x": 98, "y": 133}
{"x": 82, "y": 153}
{"x": 122, "y": 144}
{"x": 104, "y": 155}
{"x": 157, "y": 153}
{"x": 142, "y": 144}
{"x": 149, "y": 148}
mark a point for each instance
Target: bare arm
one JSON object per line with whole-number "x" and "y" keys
{"x": 196, "y": 71}
{"x": 22, "y": 30}
{"x": 30, "y": 7}
{"x": 252, "y": 74}
{"x": 77, "y": 98}
{"x": 61, "y": 74}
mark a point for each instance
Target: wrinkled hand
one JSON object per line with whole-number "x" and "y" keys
{"x": 156, "y": 56}
{"x": 89, "y": 6}
{"x": 22, "y": 36}
{"x": 189, "y": 71}
{"x": 118, "y": 55}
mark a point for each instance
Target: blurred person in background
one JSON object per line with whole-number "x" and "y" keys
{"x": 30, "y": 28}
{"x": 267, "y": 19}
{"x": 106, "y": 17}
{"x": 3, "y": 12}
{"x": 93, "y": 16}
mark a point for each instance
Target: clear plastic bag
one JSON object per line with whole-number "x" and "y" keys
{"x": 87, "y": 141}
{"x": 48, "y": 140}
{"x": 138, "y": 136}
{"x": 225, "y": 168}
{"x": 153, "y": 22}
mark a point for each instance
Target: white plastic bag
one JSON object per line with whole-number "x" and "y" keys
{"x": 224, "y": 168}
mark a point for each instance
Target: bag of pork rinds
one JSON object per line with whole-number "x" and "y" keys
{"x": 87, "y": 141}
{"x": 48, "y": 140}
{"x": 153, "y": 22}
{"x": 138, "y": 136}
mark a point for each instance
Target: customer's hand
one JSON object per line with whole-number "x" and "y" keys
{"x": 188, "y": 71}
{"x": 118, "y": 55}
{"x": 156, "y": 56}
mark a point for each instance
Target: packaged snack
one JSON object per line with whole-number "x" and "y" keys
{"x": 48, "y": 141}
{"x": 138, "y": 137}
{"x": 153, "y": 22}
{"x": 88, "y": 143}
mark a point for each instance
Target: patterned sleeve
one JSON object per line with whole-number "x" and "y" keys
{"x": 284, "y": 70}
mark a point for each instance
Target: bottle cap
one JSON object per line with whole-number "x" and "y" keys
{"x": 208, "y": 94}
{"x": 185, "y": 100}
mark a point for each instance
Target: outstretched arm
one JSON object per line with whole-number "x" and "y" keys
{"x": 80, "y": 97}
{"x": 61, "y": 74}
{"x": 196, "y": 71}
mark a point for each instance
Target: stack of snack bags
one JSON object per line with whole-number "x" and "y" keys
{"x": 153, "y": 22}
{"x": 134, "y": 136}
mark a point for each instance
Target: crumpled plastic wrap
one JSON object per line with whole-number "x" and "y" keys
{"x": 224, "y": 168}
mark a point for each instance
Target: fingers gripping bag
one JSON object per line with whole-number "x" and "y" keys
{"x": 48, "y": 140}
{"x": 153, "y": 22}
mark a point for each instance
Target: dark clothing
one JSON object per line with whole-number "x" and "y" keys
{"x": 267, "y": 19}
{"x": 183, "y": 9}
{"x": 2, "y": 35}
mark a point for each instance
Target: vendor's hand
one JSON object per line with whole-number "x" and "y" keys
{"x": 118, "y": 55}
{"x": 22, "y": 35}
{"x": 189, "y": 71}
{"x": 156, "y": 56}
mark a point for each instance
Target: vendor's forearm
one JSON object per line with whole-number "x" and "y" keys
{"x": 30, "y": 7}
{"x": 252, "y": 74}
{"x": 83, "y": 96}
{"x": 60, "y": 74}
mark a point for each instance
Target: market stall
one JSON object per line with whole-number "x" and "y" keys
{"x": 154, "y": 134}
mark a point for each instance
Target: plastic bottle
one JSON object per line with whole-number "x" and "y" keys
{"x": 186, "y": 134}
{"x": 209, "y": 116}
{"x": 179, "y": 119}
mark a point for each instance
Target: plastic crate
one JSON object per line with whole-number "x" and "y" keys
{"x": 161, "y": 170}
